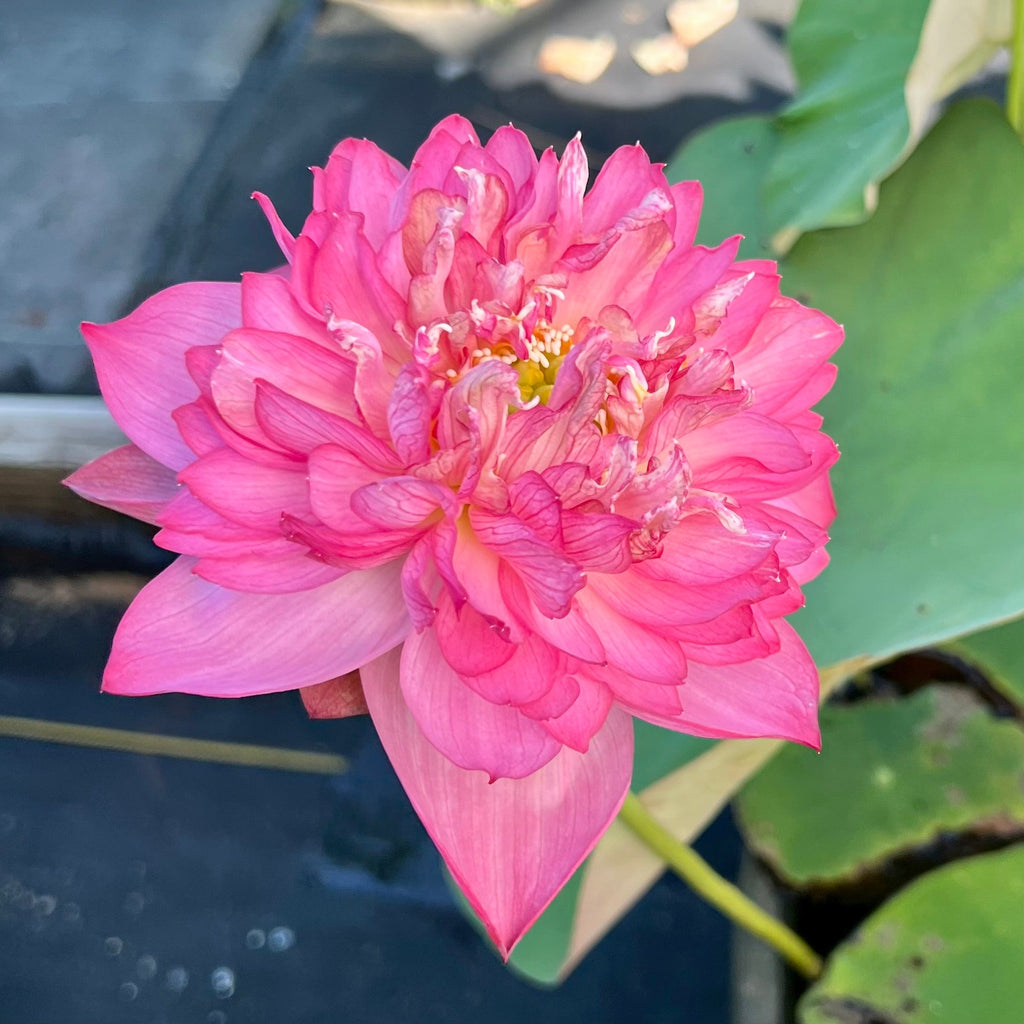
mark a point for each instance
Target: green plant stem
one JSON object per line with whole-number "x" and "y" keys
{"x": 723, "y": 895}
{"x": 1015, "y": 84}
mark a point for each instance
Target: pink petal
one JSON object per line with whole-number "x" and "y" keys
{"x": 184, "y": 634}
{"x": 301, "y": 427}
{"x": 550, "y": 578}
{"x": 432, "y": 162}
{"x": 639, "y": 696}
{"x": 790, "y": 343}
{"x": 410, "y": 413}
{"x": 467, "y": 729}
{"x": 512, "y": 150}
{"x": 571, "y": 633}
{"x": 301, "y": 368}
{"x": 245, "y": 492}
{"x": 346, "y": 284}
{"x": 197, "y": 431}
{"x": 335, "y": 698}
{"x": 524, "y": 678}
{"x": 597, "y": 542}
{"x": 478, "y": 570}
{"x": 362, "y": 178}
{"x": 625, "y": 272}
{"x": 688, "y": 197}
{"x": 775, "y": 696}
{"x": 346, "y": 549}
{"x": 681, "y": 280}
{"x": 700, "y": 551}
{"x": 187, "y": 514}
{"x": 140, "y": 361}
{"x": 335, "y": 474}
{"x": 625, "y": 179}
{"x": 401, "y": 502}
{"x": 277, "y": 566}
{"x": 268, "y": 305}
{"x": 631, "y": 647}
{"x": 472, "y": 644}
{"x": 582, "y": 720}
{"x": 559, "y": 698}
{"x": 512, "y": 844}
{"x": 126, "y": 480}
{"x": 284, "y": 238}
{"x": 723, "y": 449}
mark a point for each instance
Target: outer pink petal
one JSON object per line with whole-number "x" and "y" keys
{"x": 276, "y": 566}
{"x": 184, "y": 634}
{"x": 511, "y": 844}
{"x": 469, "y": 730}
{"x": 140, "y": 361}
{"x": 284, "y": 238}
{"x": 126, "y": 480}
{"x": 775, "y": 696}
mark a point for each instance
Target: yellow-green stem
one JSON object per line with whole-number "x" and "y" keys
{"x": 723, "y": 895}
{"x": 1015, "y": 84}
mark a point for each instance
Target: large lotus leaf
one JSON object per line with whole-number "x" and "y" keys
{"x": 944, "y": 950}
{"x": 999, "y": 655}
{"x": 892, "y": 775}
{"x": 870, "y": 76}
{"x": 849, "y": 123}
{"x": 927, "y": 407}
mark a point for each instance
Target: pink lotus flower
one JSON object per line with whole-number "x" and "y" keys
{"x": 528, "y": 459}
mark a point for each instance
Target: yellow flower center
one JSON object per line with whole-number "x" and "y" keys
{"x": 547, "y": 347}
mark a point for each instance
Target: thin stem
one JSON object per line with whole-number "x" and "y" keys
{"x": 1015, "y": 84}
{"x": 723, "y": 895}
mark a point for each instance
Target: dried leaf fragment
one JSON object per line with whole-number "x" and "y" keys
{"x": 661, "y": 55}
{"x": 693, "y": 21}
{"x": 577, "y": 58}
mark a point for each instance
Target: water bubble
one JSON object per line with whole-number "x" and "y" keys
{"x": 145, "y": 967}
{"x": 113, "y": 946}
{"x": 280, "y": 939}
{"x": 72, "y": 913}
{"x": 10, "y": 891}
{"x": 128, "y": 991}
{"x": 223, "y": 981}
{"x": 216, "y": 1017}
{"x": 134, "y": 902}
{"x": 176, "y": 979}
{"x": 45, "y": 905}
{"x": 255, "y": 938}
